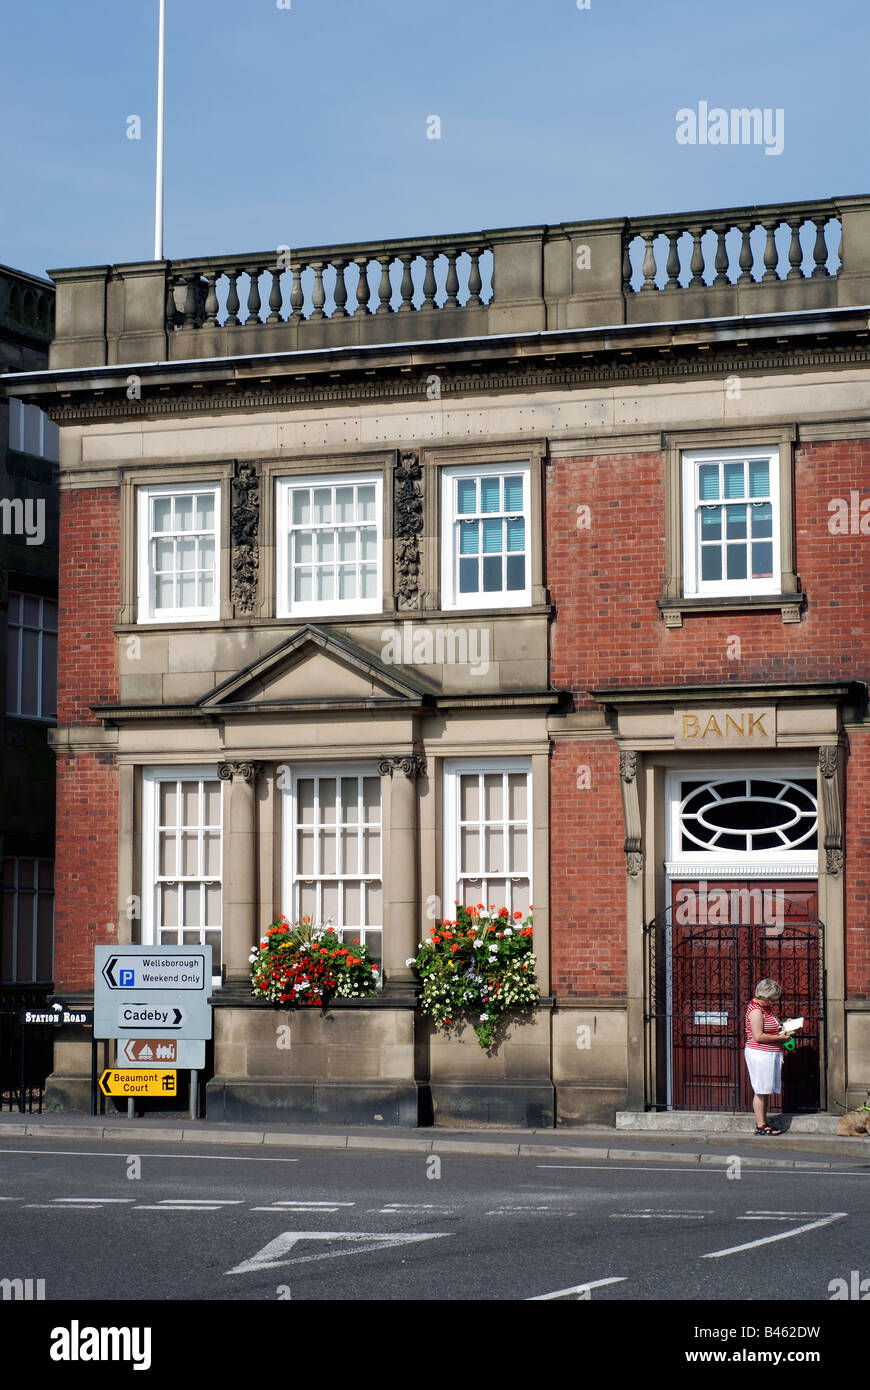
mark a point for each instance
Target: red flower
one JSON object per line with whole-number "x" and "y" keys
{"x": 517, "y": 916}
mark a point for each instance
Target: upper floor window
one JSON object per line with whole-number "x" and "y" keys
{"x": 31, "y": 649}
{"x": 731, "y": 522}
{"x": 485, "y": 537}
{"x": 329, "y": 545}
{"x": 31, "y": 431}
{"x": 179, "y": 553}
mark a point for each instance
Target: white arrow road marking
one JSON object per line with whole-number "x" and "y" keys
{"x": 276, "y": 1252}
{"x": 578, "y": 1288}
{"x": 781, "y": 1235}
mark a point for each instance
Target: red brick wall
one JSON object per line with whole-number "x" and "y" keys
{"x": 858, "y": 867}
{"x": 90, "y": 596}
{"x": 608, "y": 632}
{"x": 587, "y": 871}
{"x": 86, "y": 892}
{"x": 86, "y": 869}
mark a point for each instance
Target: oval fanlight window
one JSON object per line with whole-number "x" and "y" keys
{"x": 749, "y": 813}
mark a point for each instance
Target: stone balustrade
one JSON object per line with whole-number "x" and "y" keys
{"x": 723, "y": 263}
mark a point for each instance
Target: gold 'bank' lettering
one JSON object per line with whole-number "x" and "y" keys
{"x": 691, "y": 727}
{"x": 759, "y": 720}
{"x": 711, "y": 724}
{"x": 737, "y": 724}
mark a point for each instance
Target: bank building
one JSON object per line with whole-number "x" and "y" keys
{"x": 527, "y": 566}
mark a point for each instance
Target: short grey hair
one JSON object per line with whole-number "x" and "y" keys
{"x": 767, "y": 989}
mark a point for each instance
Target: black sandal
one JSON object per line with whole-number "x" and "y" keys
{"x": 767, "y": 1130}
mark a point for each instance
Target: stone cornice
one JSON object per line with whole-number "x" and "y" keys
{"x": 568, "y": 360}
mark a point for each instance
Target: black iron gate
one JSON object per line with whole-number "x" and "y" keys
{"x": 26, "y": 1051}
{"x": 701, "y": 975}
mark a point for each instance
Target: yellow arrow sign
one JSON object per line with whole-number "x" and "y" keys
{"x": 131, "y": 1081}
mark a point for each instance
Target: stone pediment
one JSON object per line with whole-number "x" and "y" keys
{"x": 315, "y": 667}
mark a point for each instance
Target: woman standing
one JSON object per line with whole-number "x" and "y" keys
{"x": 763, "y": 1052}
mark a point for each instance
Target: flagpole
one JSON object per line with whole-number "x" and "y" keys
{"x": 158, "y": 201}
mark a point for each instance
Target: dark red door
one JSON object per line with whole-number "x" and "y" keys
{"x": 725, "y": 937}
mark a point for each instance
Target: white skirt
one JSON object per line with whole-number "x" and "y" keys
{"x": 765, "y": 1071}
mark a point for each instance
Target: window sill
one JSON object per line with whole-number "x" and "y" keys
{"x": 673, "y": 610}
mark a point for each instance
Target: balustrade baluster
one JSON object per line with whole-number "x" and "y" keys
{"x": 771, "y": 255}
{"x": 275, "y": 296}
{"x": 363, "y": 291}
{"x": 318, "y": 294}
{"x": 191, "y": 307}
{"x": 430, "y": 285}
{"x": 407, "y": 304}
{"x": 626, "y": 263}
{"x": 475, "y": 282}
{"x": 649, "y": 263}
{"x": 820, "y": 249}
{"x": 171, "y": 311}
{"x": 745, "y": 258}
{"x": 340, "y": 294}
{"x": 211, "y": 300}
{"x": 385, "y": 289}
{"x": 297, "y": 294}
{"x": 232, "y": 319}
{"x": 721, "y": 261}
{"x": 452, "y": 284}
{"x": 673, "y": 266}
{"x": 254, "y": 297}
{"x": 697, "y": 265}
{"x": 795, "y": 252}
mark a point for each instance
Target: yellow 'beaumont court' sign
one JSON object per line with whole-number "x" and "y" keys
{"x": 726, "y": 728}
{"x": 130, "y": 1082}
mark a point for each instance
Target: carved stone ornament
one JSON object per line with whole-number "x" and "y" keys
{"x": 407, "y": 526}
{"x": 828, "y": 759}
{"x": 244, "y": 536}
{"x": 834, "y": 861}
{"x": 248, "y": 771}
{"x": 413, "y": 765}
{"x": 633, "y": 863}
{"x": 628, "y": 765}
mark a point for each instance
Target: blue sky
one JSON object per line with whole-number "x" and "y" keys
{"x": 307, "y": 125}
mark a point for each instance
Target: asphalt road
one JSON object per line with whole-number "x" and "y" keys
{"x": 99, "y": 1223}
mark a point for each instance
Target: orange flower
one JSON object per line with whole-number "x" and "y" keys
{"x": 455, "y": 946}
{"x": 517, "y": 916}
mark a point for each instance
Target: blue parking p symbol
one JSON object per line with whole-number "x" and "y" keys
{"x": 127, "y": 979}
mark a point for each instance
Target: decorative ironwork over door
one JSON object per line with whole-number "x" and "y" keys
{"x": 705, "y": 955}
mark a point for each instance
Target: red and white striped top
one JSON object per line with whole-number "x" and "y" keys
{"x": 770, "y": 1024}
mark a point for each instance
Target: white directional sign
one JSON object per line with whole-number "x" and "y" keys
{"x": 152, "y": 992}
{"x": 161, "y": 1052}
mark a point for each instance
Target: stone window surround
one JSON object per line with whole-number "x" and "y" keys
{"x": 673, "y": 605}
{"x": 432, "y": 459}
{"x": 143, "y": 542}
{"x": 312, "y": 610}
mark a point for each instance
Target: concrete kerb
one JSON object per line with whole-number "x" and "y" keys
{"x": 442, "y": 1144}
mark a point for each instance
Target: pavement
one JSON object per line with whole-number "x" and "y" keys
{"x": 708, "y": 1147}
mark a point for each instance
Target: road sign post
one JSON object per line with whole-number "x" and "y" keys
{"x": 154, "y": 1002}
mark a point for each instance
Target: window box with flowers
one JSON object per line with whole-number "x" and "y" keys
{"x": 481, "y": 963}
{"x": 303, "y": 963}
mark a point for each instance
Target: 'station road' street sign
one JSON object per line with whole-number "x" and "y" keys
{"x": 157, "y": 1052}
{"x": 137, "y": 1083}
{"x": 57, "y": 1013}
{"x": 152, "y": 992}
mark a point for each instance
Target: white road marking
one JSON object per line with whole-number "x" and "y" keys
{"x": 286, "y": 1208}
{"x": 52, "y": 1206}
{"x": 508, "y": 1211}
{"x": 93, "y": 1200}
{"x": 708, "y": 1170}
{"x": 175, "y": 1206}
{"x": 654, "y": 1216}
{"x": 578, "y": 1288}
{"x": 762, "y": 1211}
{"x": 781, "y": 1235}
{"x": 94, "y": 1153}
{"x": 275, "y": 1253}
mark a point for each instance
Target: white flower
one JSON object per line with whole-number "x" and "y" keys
{"x": 507, "y": 932}
{"x": 493, "y": 948}
{"x": 412, "y": 960}
{"x": 483, "y": 1016}
{"x": 478, "y": 942}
